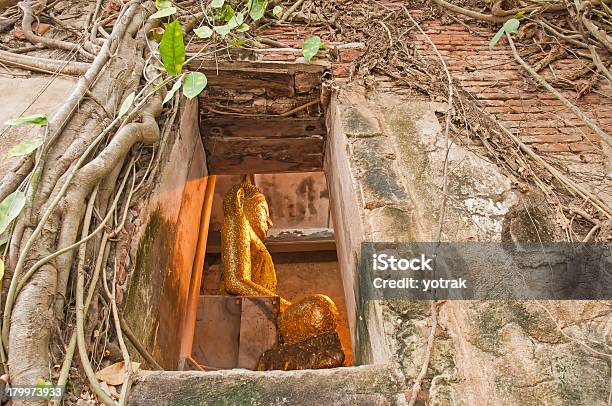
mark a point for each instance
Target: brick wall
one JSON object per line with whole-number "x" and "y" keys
{"x": 494, "y": 79}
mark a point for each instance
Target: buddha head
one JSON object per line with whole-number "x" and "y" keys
{"x": 248, "y": 200}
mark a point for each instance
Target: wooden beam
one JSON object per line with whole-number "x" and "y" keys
{"x": 278, "y": 78}
{"x": 291, "y": 68}
{"x": 188, "y": 329}
{"x": 295, "y": 244}
{"x": 268, "y": 155}
{"x": 265, "y": 126}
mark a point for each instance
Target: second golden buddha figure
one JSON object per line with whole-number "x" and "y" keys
{"x": 248, "y": 269}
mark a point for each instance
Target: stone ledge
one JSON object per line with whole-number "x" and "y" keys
{"x": 369, "y": 384}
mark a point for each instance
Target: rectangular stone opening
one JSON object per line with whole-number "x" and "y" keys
{"x": 231, "y": 331}
{"x": 277, "y": 123}
{"x": 267, "y": 121}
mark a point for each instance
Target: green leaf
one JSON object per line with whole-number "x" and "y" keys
{"x": 2, "y": 242}
{"x": 162, "y": 4}
{"x": 195, "y": 82}
{"x": 519, "y": 15}
{"x": 512, "y": 25}
{"x": 222, "y": 30}
{"x": 497, "y": 37}
{"x": 172, "y": 48}
{"x": 311, "y": 47}
{"x": 44, "y": 384}
{"x": 10, "y": 209}
{"x": 244, "y": 27}
{"x": 237, "y": 43}
{"x": 127, "y": 103}
{"x": 164, "y": 12}
{"x": 203, "y": 32}
{"x": 25, "y": 147}
{"x": 217, "y": 3}
{"x": 175, "y": 87}
{"x": 36, "y": 119}
{"x": 156, "y": 33}
{"x": 277, "y": 11}
{"x": 509, "y": 26}
{"x": 258, "y": 8}
{"x": 225, "y": 13}
{"x": 235, "y": 21}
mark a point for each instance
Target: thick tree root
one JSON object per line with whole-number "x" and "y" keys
{"x": 28, "y": 33}
{"x": 77, "y": 127}
{"x": 51, "y": 66}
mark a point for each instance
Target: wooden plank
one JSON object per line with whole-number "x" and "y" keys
{"x": 240, "y": 155}
{"x": 212, "y": 273}
{"x": 258, "y": 332}
{"x": 256, "y": 66}
{"x": 306, "y": 82}
{"x": 259, "y": 127}
{"x": 217, "y": 332}
{"x": 281, "y": 84}
{"x": 253, "y": 164}
{"x": 232, "y": 147}
{"x": 276, "y": 76}
{"x": 292, "y": 244}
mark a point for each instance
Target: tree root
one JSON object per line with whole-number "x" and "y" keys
{"x": 146, "y": 132}
{"x": 51, "y": 66}
{"x": 28, "y": 33}
{"x": 6, "y": 23}
{"x": 470, "y": 13}
{"x": 65, "y": 371}
{"x": 604, "y": 137}
{"x": 30, "y": 359}
{"x": 14, "y": 177}
{"x": 416, "y": 386}
{"x": 80, "y": 310}
{"x": 597, "y": 61}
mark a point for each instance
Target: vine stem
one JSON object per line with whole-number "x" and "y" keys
{"x": 416, "y": 387}
{"x": 138, "y": 345}
{"x": 127, "y": 363}
{"x": 80, "y": 322}
{"x": 590, "y": 123}
{"x": 65, "y": 371}
{"x": 82, "y": 241}
{"x": 80, "y": 310}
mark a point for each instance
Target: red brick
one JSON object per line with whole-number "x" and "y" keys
{"x": 557, "y": 147}
{"x": 342, "y": 70}
{"x": 351, "y": 52}
{"x": 550, "y": 138}
{"x": 275, "y": 56}
{"x": 583, "y": 147}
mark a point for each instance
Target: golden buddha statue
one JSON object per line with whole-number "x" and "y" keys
{"x": 248, "y": 269}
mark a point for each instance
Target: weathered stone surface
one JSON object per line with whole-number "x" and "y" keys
{"x": 322, "y": 351}
{"x": 365, "y": 385}
{"x": 503, "y": 353}
{"x": 163, "y": 258}
{"x": 20, "y": 101}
